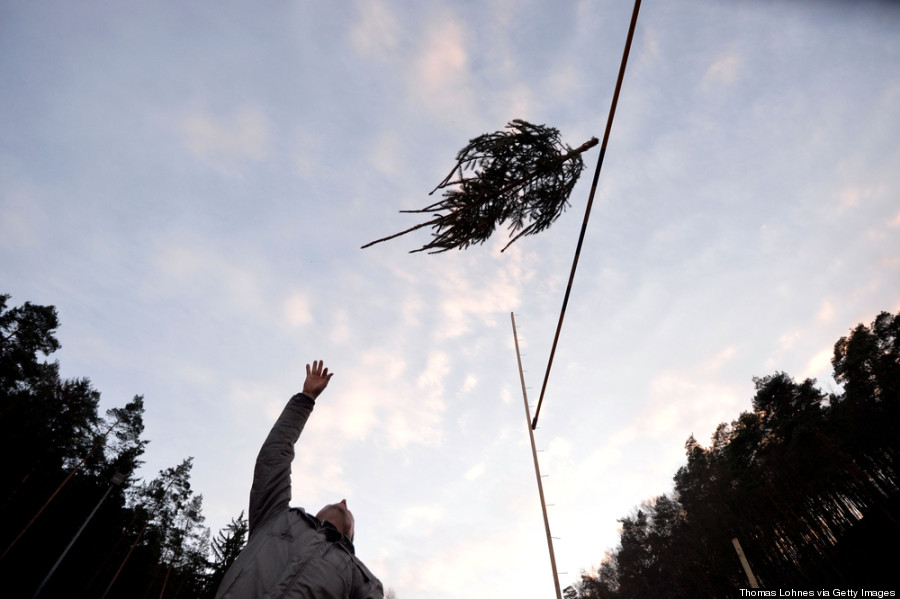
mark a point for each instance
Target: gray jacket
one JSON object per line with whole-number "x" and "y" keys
{"x": 291, "y": 554}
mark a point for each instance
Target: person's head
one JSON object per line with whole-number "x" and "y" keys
{"x": 339, "y": 516}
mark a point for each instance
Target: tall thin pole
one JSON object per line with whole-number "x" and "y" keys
{"x": 537, "y": 468}
{"x": 587, "y": 210}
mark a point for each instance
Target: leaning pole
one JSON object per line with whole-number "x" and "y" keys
{"x": 537, "y": 468}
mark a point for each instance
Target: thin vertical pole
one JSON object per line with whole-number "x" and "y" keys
{"x": 537, "y": 468}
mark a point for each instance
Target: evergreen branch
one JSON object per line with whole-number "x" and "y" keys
{"x": 522, "y": 175}
{"x": 410, "y": 230}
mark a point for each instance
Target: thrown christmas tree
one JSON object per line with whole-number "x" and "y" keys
{"x": 522, "y": 175}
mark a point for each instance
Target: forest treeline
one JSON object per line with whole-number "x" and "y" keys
{"x": 806, "y": 481}
{"x": 69, "y": 473}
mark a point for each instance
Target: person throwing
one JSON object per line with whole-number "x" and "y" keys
{"x": 289, "y": 553}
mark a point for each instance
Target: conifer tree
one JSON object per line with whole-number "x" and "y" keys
{"x": 807, "y": 482}
{"x": 521, "y": 176}
{"x": 226, "y": 546}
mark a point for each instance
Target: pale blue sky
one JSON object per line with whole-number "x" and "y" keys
{"x": 190, "y": 185}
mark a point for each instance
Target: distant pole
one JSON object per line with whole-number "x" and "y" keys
{"x": 745, "y": 563}
{"x": 537, "y": 468}
{"x": 117, "y": 479}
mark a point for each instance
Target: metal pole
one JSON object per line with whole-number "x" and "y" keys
{"x": 587, "y": 210}
{"x": 117, "y": 479}
{"x": 537, "y": 469}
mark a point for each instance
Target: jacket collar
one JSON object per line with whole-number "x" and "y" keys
{"x": 332, "y": 534}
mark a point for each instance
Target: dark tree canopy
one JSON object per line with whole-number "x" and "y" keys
{"x": 25, "y": 332}
{"x": 522, "y": 176}
{"x": 226, "y": 547}
{"x": 806, "y": 481}
{"x": 145, "y": 539}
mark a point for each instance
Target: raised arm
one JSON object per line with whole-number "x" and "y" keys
{"x": 271, "y": 491}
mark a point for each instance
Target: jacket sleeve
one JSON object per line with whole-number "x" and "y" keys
{"x": 271, "y": 491}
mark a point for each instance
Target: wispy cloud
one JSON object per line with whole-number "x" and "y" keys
{"x": 853, "y": 197}
{"x": 386, "y": 154}
{"x": 190, "y": 268}
{"x": 376, "y": 31}
{"x": 678, "y": 403}
{"x": 228, "y": 141}
{"x": 826, "y": 312}
{"x": 819, "y": 365}
{"x": 400, "y": 406}
{"x": 895, "y": 222}
{"x": 421, "y": 517}
{"x": 475, "y": 471}
{"x": 417, "y": 417}
{"x": 20, "y": 217}
{"x": 479, "y": 301}
{"x": 716, "y": 361}
{"x": 723, "y": 71}
{"x": 296, "y": 309}
{"x": 441, "y": 80}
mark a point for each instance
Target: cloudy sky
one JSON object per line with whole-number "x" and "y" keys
{"x": 190, "y": 184}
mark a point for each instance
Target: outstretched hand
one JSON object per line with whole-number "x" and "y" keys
{"x": 317, "y": 379}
